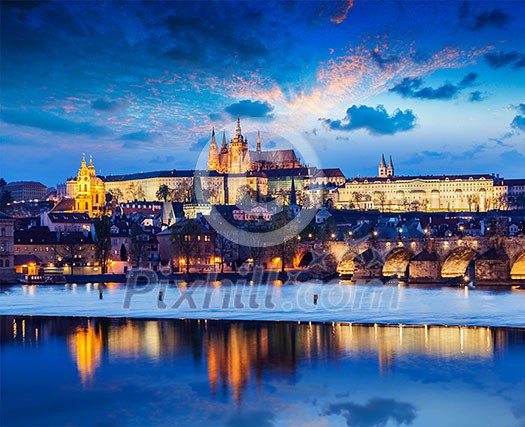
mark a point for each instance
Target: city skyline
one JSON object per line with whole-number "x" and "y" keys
{"x": 140, "y": 86}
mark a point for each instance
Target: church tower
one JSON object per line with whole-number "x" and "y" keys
{"x": 83, "y": 194}
{"x": 236, "y": 150}
{"x": 91, "y": 193}
{"x": 382, "y": 167}
{"x": 258, "y": 141}
{"x": 390, "y": 168}
{"x": 213, "y": 154}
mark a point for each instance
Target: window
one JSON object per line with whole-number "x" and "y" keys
{"x": 7, "y": 263}
{"x": 1, "y": 263}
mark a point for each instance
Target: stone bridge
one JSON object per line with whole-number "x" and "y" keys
{"x": 483, "y": 259}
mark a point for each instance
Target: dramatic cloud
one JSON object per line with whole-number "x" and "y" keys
{"x": 519, "y": 121}
{"x": 383, "y": 60}
{"x": 376, "y": 412}
{"x": 494, "y": 18}
{"x": 248, "y": 108}
{"x": 103, "y": 104}
{"x": 501, "y": 59}
{"x": 411, "y": 88}
{"x": 50, "y": 122}
{"x": 477, "y": 96}
{"x": 376, "y": 120}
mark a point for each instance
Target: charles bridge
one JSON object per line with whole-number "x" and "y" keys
{"x": 490, "y": 260}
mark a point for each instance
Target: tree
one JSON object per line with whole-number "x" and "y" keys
{"x": 381, "y": 199}
{"x": 69, "y": 251}
{"x": 139, "y": 243}
{"x": 123, "y": 253}
{"x": 135, "y": 191}
{"x": 102, "y": 227}
{"x": 185, "y": 237}
{"x": 357, "y": 199}
{"x": 163, "y": 193}
{"x": 472, "y": 201}
{"x": 5, "y": 199}
{"x": 116, "y": 194}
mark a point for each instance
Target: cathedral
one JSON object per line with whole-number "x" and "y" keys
{"x": 236, "y": 157}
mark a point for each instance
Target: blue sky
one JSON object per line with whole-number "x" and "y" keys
{"x": 439, "y": 85}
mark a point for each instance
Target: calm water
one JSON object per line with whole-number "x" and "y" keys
{"x": 337, "y": 302}
{"x": 130, "y": 372}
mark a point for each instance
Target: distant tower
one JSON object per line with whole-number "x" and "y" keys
{"x": 213, "y": 154}
{"x": 224, "y": 146}
{"x": 90, "y": 194}
{"x": 236, "y": 150}
{"x": 258, "y": 141}
{"x": 293, "y": 195}
{"x": 390, "y": 168}
{"x": 382, "y": 167}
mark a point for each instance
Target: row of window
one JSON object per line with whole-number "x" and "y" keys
{"x": 5, "y": 263}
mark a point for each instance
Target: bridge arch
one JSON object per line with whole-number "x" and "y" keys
{"x": 396, "y": 262}
{"x": 457, "y": 262}
{"x": 346, "y": 265}
{"x": 306, "y": 259}
{"x": 517, "y": 270}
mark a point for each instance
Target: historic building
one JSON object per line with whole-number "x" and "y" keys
{"x": 88, "y": 190}
{"x": 26, "y": 190}
{"x": 388, "y": 192}
{"x": 7, "y": 252}
{"x": 236, "y": 157}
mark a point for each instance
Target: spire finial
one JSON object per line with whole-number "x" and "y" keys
{"x": 90, "y": 160}
{"x": 83, "y": 159}
{"x": 238, "y": 130}
{"x": 259, "y": 141}
{"x": 213, "y": 131}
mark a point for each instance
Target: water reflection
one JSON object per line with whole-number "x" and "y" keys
{"x": 236, "y": 353}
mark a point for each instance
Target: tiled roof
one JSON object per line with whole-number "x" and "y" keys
{"x": 144, "y": 175}
{"x": 72, "y": 218}
{"x": 423, "y": 178}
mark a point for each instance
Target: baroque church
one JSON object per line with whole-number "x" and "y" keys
{"x": 90, "y": 194}
{"x": 236, "y": 157}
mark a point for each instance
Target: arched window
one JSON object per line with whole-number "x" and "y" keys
{"x": 96, "y": 199}
{"x": 1, "y": 262}
{"x": 7, "y": 263}
{"x": 85, "y": 187}
{"x": 2, "y": 233}
{"x": 87, "y": 206}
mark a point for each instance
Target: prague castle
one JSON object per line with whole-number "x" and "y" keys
{"x": 388, "y": 192}
{"x": 238, "y": 158}
{"x": 235, "y": 169}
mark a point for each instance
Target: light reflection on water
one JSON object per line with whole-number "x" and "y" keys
{"x": 80, "y": 371}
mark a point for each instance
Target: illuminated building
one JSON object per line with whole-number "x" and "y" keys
{"x": 7, "y": 252}
{"x": 388, "y": 192}
{"x": 89, "y": 190}
{"x": 237, "y": 158}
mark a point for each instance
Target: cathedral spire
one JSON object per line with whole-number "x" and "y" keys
{"x": 90, "y": 160}
{"x": 83, "y": 165}
{"x": 213, "y": 135}
{"x": 224, "y": 146}
{"x": 390, "y": 168}
{"x": 238, "y": 131}
{"x": 293, "y": 196}
{"x": 383, "y": 162}
{"x": 258, "y": 141}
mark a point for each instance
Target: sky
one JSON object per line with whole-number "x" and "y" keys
{"x": 438, "y": 85}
